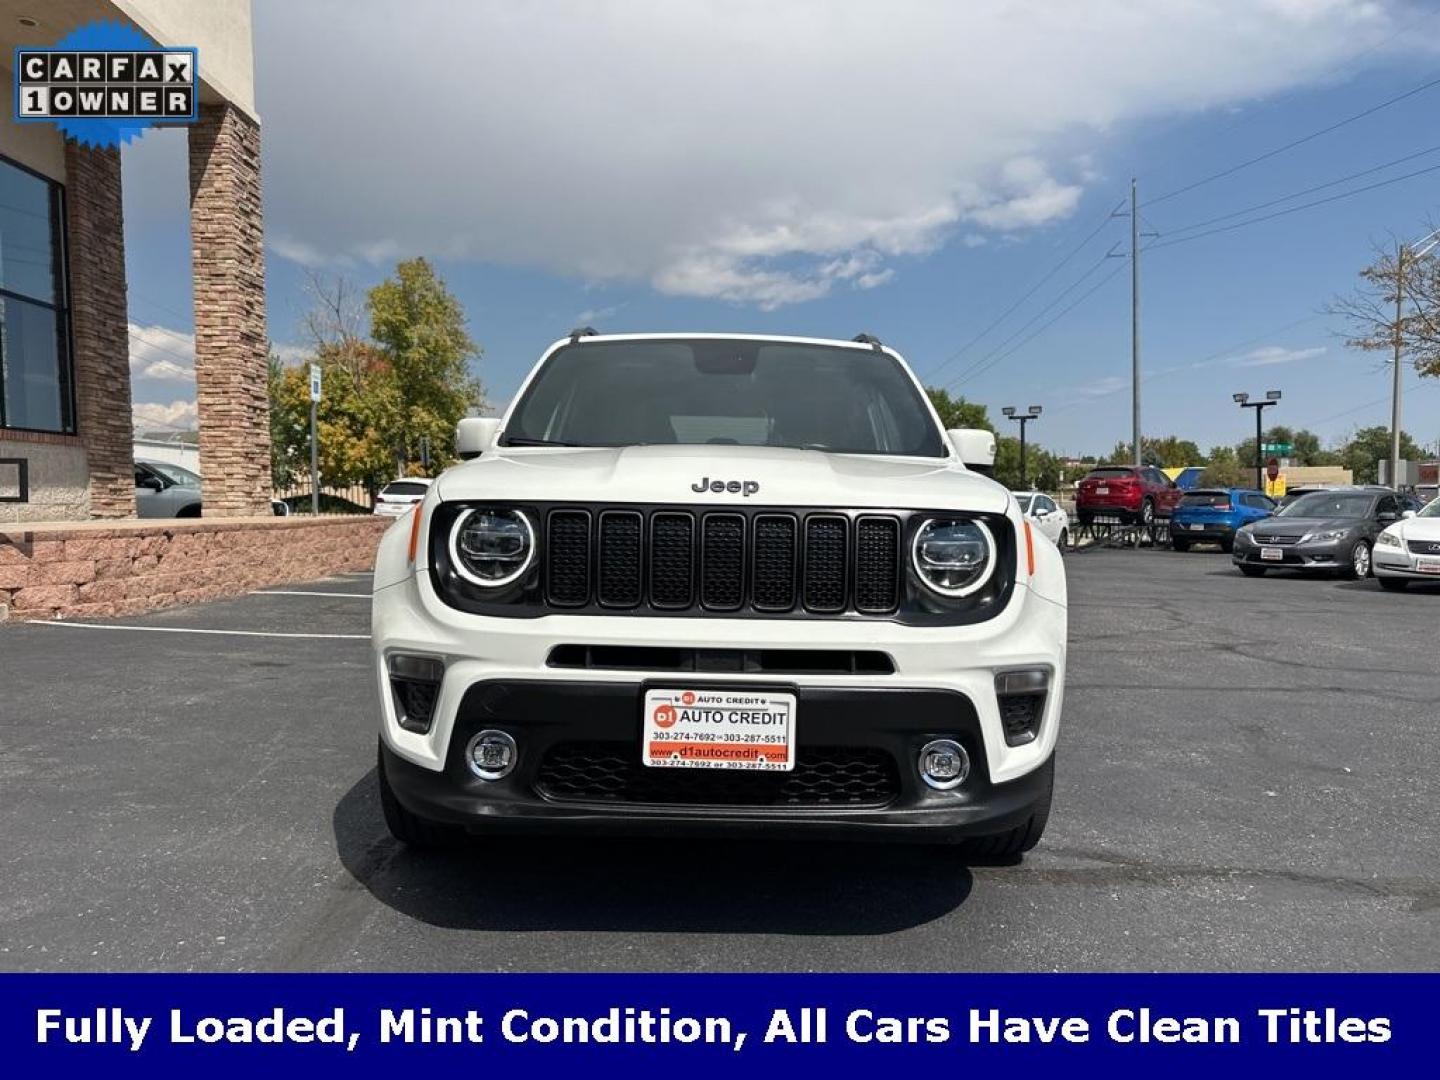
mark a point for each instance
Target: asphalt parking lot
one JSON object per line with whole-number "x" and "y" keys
{"x": 1247, "y": 780}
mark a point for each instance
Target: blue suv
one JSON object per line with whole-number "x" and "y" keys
{"x": 1211, "y": 516}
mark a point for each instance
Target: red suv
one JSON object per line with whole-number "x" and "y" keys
{"x": 1132, "y": 494}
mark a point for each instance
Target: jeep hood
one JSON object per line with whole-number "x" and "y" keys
{"x": 667, "y": 474}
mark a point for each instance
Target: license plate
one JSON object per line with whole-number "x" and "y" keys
{"x": 1428, "y": 566}
{"x": 1272, "y": 554}
{"x": 718, "y": 729}
{"x": 1197, "y": 528}
{"x": 1102, "y": 491}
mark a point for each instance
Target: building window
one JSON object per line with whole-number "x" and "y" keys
{"x": 35, "y": 370}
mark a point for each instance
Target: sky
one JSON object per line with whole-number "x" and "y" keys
{"x": 949, "y": 177}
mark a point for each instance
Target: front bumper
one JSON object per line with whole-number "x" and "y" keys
{"x": 1326, "y": 555}
{"x": 546, "y": 790}
{"x": 1399, "y": 563}
{"x": 498, "y": 672}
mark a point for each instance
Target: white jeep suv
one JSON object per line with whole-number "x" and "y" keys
{"x": 716, "y": 583}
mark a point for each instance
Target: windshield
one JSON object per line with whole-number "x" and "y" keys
{"x": 1329, "y": 504}
{"x": 1431, "y": 509}
{"x": 405, "y": 487}
{"x": 176, "y": 474}
{"x": 724, "y": 393}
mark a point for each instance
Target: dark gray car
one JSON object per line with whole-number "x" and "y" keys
{"x": 1331, "y": 531}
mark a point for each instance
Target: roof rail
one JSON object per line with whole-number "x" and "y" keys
{"x": 868, "y": 339}
{"x": 582, "y": 331}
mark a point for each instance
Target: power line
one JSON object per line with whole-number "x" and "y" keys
{"x": 1304, "y": 191}
{"x": 1071, "y": 307}
{"x": 1293, "y": 209}
{"x": 934, "y": 372}
{"x": 1295, "y": 142}
{"x": 980, "y": 363}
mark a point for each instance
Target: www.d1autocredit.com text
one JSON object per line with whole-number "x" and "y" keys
{"x": 628, "y": 1025}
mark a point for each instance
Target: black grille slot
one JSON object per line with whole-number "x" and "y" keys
{"x": 877, "y": 564}
{"x": 672, "y": 560}
{"x": 618, "y": 581}
{"x": 567, "y": 562}
{"x": 773, "y": 559}
{"x": 730, "y": 661}
{"x": 823, "y": 776}
{"x": 722, "y": 561}
{"x": 1020, "y": 716}
{"x": 824, "y": 585}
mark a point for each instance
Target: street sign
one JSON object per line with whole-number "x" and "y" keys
{"x": 1283, "y": 449}
{"x": 314, "y": 382}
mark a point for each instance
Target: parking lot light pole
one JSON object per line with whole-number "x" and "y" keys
{"x": 1023, "y": 419}
{"x": 1272, "y": 397}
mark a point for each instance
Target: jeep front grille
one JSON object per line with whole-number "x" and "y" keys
{"x": 722, "y": 561}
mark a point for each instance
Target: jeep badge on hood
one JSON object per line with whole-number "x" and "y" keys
{"x": 739, "y": 487}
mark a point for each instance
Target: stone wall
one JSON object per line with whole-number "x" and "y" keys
{"x": 100, "y": 327}
{"x": 231, "y": 349}
{"x": 106, "y": 569}
{"x": 59, "y": 479}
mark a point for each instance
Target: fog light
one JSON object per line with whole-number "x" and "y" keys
{"x": 491, "y": 755}
{"x": 944, "y": 764}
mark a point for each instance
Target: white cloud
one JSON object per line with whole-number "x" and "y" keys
{"x": 1270, "y": 355}
{"x": 739, "y": 149}
{"x": 178, "y": 415}
{"x": 597, "y": 315}
{"x": 157, "y": 352}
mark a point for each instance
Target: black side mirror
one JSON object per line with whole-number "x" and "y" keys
{"x": 153, "y": 483}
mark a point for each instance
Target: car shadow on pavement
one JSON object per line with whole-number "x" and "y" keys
{"x": 556, "y": 883}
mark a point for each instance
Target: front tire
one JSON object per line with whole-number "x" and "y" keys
{"x": 1394, "y": 584}
{"x": 1022, "y": 838}
{"x": 410, "y": 829}
{"x": 1064, "y": 542}
{"x": 1359, "y": 568}
{"x": 1252, "y": 571}
{"x": 1146, "y": 516}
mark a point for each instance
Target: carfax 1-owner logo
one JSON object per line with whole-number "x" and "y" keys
{"x": 105, "y": 83}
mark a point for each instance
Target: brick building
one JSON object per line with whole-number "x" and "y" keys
{"x": 66, "y": 442}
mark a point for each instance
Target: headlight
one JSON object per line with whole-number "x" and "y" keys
{"x": 1322, "y": 537}
{"x": 953, "y": 557}
{"x": 491, "y": 547}
{"x": 1388, "y": 539}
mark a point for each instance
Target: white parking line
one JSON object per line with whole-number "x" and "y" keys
{"x": 299, "y": 592}
{"x": 197, "y": 630}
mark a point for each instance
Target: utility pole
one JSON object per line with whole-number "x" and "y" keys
{"x": 1399, "y": 383}
{"x": 1422, "y": 247}
{"x": 1023, "y": 419}
{"x": 1135, "y": 320}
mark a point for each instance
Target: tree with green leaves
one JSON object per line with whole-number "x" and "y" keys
{"x": 1368, "y": 446}
{"x": 956, "y": 412}
{"x": 409, "y": 381}
{"x": 1166, "y": 452}
{"x": 1223, "y": 468}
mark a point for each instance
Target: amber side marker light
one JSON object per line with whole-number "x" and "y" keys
{"x": 415, "y": 534}
{"x": 1029, "y": 549}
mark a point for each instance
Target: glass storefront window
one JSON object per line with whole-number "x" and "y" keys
{"x": 34, "y": 328}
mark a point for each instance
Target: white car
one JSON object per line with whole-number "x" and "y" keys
{"x": 719, "y": 584}
{"x": 1409, "y": 550}
{"x": 1046, "y": 515}
{"x": 398, "y": 496}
